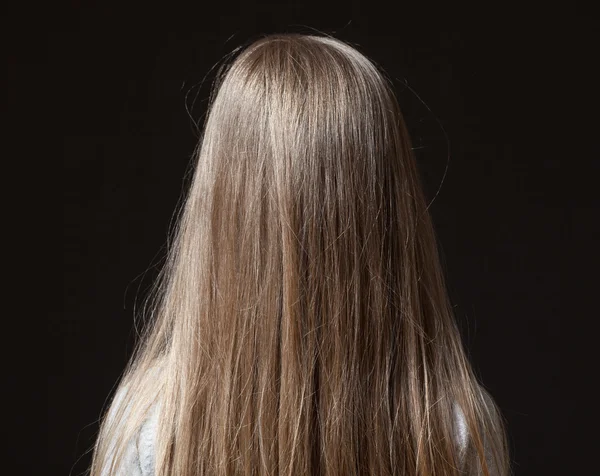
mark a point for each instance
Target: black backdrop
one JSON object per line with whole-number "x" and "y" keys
{"x": 127, "y": 81}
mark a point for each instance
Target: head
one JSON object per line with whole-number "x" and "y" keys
{"x": 302, "y": 324}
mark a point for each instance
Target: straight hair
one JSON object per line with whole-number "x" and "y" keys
{"x": 301, "y": 323}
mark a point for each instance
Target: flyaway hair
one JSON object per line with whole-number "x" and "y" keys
{"x": 301, "y": 324}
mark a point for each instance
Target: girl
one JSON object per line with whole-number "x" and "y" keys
{"x": 302, "y": 324}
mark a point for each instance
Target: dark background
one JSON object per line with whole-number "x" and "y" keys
{"x": 126, "y": 88}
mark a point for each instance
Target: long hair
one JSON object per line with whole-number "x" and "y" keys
{"x": 302, "y": 323}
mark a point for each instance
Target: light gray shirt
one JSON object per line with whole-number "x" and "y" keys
{"x": 139, "y": 457}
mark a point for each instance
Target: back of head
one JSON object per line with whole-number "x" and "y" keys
{"x": 302, "y": 324}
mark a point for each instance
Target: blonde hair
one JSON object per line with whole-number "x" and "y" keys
{"x": 301, "y": 323}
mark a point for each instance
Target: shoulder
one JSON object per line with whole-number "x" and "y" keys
{"x": 491, "y": 434}
{"x": 137, "y": 453}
